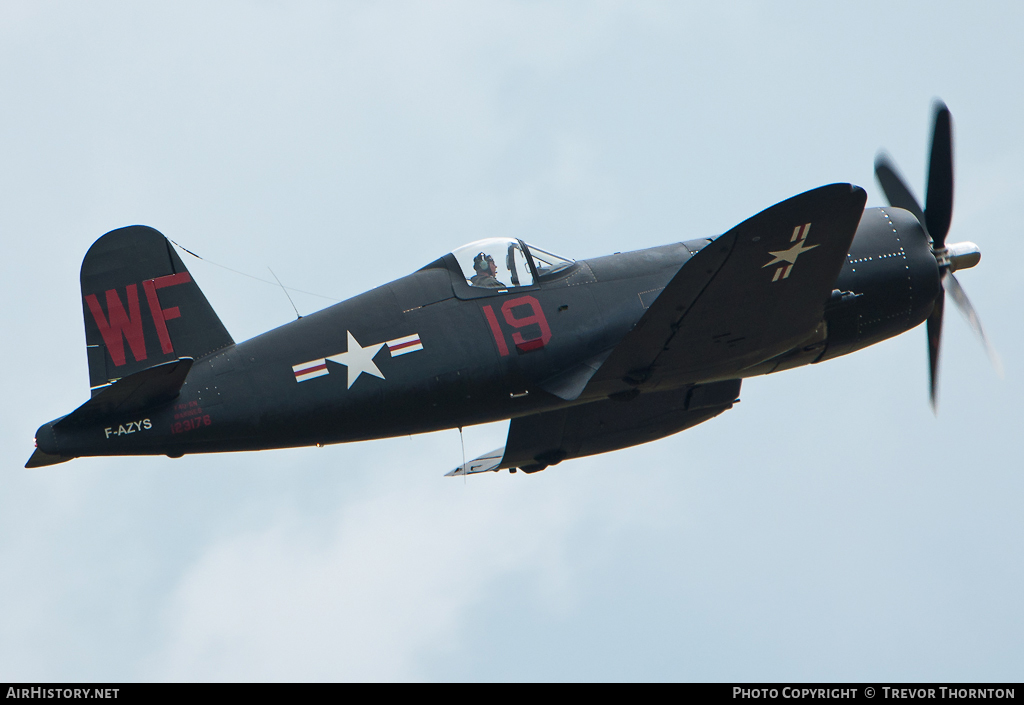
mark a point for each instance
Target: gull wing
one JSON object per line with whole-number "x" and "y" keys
{"x": 750, "y": 294}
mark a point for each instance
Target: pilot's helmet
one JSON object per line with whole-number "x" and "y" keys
{"x": 482, "y": 263}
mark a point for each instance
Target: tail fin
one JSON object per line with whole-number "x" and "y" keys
{"x": 142, "y": 307}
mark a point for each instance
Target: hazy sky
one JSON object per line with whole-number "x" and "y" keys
{"x": 828, "y": 527}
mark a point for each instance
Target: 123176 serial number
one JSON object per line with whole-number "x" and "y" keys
{"x": 191, "y": 424}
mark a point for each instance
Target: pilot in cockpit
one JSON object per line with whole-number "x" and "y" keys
{"x": 486, "y": 270}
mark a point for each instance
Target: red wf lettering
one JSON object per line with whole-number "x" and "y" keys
{"x": 162, "y": 315}
{"x": 116, "y": 325}
{"x": 121, "y": 326}
{"x": 509, "y": 311}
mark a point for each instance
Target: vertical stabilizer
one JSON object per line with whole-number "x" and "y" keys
{"x": 142, "y": 307}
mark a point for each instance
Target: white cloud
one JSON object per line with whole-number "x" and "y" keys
{"x": 371, "y": 592}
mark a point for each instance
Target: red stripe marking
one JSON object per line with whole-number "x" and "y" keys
{"x": 404, "y": 345}
{"x": 307, "y": 370}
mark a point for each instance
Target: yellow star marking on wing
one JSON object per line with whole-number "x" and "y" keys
{"x": 789, "y": 255}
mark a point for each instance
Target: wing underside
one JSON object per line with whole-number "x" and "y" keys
{"x": 539, "y": 440}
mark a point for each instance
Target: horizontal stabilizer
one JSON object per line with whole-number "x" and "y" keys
{"x": 488, "y": 462}
{"x": 40, "y": 459}
{"x": 150, "y": 387}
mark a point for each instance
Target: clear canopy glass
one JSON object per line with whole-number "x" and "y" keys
{"x": 504, "y": 262}
{"x": 546, "y": 262}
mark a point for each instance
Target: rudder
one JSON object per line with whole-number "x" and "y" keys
{"x": 142, "y": 307}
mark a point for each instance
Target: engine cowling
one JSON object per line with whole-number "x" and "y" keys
{"x": 888, "y": 285}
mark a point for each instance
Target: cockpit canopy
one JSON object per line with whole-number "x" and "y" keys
{"x": 506, "y": 262}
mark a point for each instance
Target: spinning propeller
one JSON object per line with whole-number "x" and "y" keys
{"x": 935, "y": 219}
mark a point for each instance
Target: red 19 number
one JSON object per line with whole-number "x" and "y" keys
{"x": 508, "y": 310}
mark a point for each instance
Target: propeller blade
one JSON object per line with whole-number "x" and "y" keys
{"x": 896, "y": 189}
{"x": 939, "y": 199}
{"x": 951, "y": 285}
{"x": 934, "y": 339}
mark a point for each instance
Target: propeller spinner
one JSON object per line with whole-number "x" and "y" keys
{"x": 935, "y": 219}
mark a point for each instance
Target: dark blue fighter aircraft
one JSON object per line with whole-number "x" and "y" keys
{"x": 583, "y": 356}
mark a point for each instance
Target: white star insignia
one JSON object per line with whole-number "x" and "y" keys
{"x": 358, "y": 359}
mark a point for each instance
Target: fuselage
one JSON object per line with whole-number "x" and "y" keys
{"x": 428, "y": 351}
